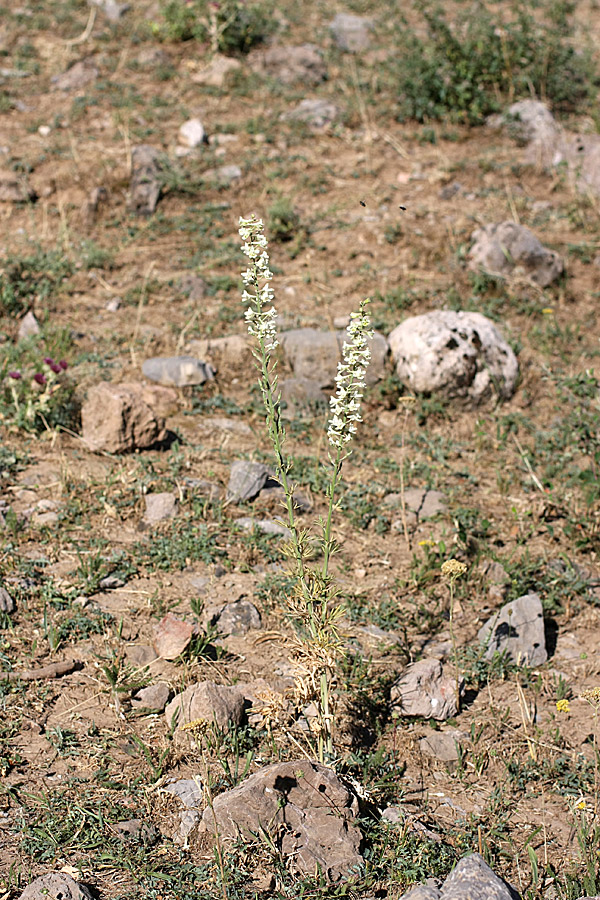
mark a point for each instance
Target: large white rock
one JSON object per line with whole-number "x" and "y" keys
{"x": 458, "y": 355}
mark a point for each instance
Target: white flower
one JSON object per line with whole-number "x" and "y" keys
{"x": 345, "y": 404}
{"x": 260, "y": 319}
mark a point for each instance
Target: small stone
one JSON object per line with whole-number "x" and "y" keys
{"x": 153, "y": 698}
{"x": 223, "y": 175}
{"x": 145, "y": 186}
{"x": 507, "y": 249}
{"x": 192, "y": 133}
{"x": 180, "y": 371}
{"x": 193, "y": 286}
{"x": 55, "y": 886}
{"x": 351, "y": 33}
{"x": 7, "y": 604}
{"x": 425, "y": 690}
{"x": 112, "y": 10}
{"x": 188, "y": 790}
{"x": 444, "y": 746}
{"x": 28, "y": 326}
{"x": 422, "y": 503}
{"x": 316, "y": 113}
{"x": 113, "y": 304}
{"x": 517, "y": 629}
{"x": 77, "y": 76}
{"x": 212, "y": 703}
{"x": 238, "y": 618}
{"x": 115, "y": 418}
{"x": 291, "y": 64}
{"x": 159, "y": 507}
{"x": 140, "y": 655}
{"x": 44, "y": 130}
{"x": 172, "y": 635}
{"x": 473, "y": 878}
{"x": 153, "y": 57}
{"x": 14, "y": 188}
{"x": 134, "y": 829}
{"x": 216, "y": 72}
{"x": 264, "y": 525}
{"x": 246, "y": 480}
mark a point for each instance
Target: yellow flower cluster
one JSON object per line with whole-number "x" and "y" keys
{"x": 562, "y": 706}
{"x": 453, "y": 568}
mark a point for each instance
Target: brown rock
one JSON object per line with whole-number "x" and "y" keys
{"x": 425, "y": 690}
{"x": 171, "y": 636}
{"x": 154, "y": 697}
{"x": 115, "y": 418}
{"x": 210, "y": 702}
{"x": 216, "y": 72}
{"x": 80, "y": 74}
{"x": 305, "y": 805}
{"x": 13, "y": 189}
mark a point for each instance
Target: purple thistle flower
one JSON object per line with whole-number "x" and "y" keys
{"x": 63, "y": 364}
{"x": 15, "y": 375}
{"x": 55, "y": 367}
{"x": 48, "y": 360}
{"x": 39, "y": 378}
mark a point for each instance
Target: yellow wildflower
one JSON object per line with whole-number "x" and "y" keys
{"x": 453, "y": 568}
{"x": 562, "y": 706}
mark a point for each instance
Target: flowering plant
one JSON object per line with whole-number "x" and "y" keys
{"x": 38, "y": 400}
{"x": 318, "y": 645}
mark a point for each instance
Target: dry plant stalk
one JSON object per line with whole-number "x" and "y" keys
{"x": 452, "y": 569}
{"x": 312, "y": 605}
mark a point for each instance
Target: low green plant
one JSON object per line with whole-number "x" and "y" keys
{"x": 33, "y": 278}
{"x": 313, "y": 605}
{"x": 465, "y": 67}
{"x": 227, "y": 27}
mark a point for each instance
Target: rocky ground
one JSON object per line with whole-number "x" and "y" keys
{"x": 152, "y": 739}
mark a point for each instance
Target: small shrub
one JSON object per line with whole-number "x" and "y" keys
{"x": 229, "y": 27}
{"x": 465, "y": 70}
{"x": 28, "y": 279}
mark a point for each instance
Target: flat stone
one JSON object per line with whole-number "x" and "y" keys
{"x": 423, "y": 503}
{"x": 444, "y": 746}
{"x": 289, "y": 65}
{"x": 264, "y": 525}
{"x": 210, "y": 702}
{"x": 154, "y": 697}
{"x": 351, "y": 33}
{"x": 518, "y": 630}
{"x": 425, "y": 690}
{"x": 314, "y": 355}
{"x": 55, "y": 886}
{"x": 188, "y": 790}
{"x": 172, "y": 635}
{"x": 246, "y": 480}
{"x": 77, "y": 76}
{"x": 306, "y": 805}
{"x": 180, "y": 371}
{"x": 458, "y": 355}
{"x": 216, "y": 72}
{"x": 115, "y": 418}
{"x": 316, "y": 113}
{"x": 223, "y": 175}
{"x": 238, "y": 618}
{"x": 159, "y": 507}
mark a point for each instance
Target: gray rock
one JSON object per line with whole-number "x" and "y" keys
{"x": 458, "y": 355}
{"x": 425, "y": 690}
{"x": 180, "y": 371}
{"x": 351, "y": 33}
{"x": 7, "y": 604}
{"x": 224, "y": 175}
{"x": 192, "y": 133}
{"x": 216, "y": 72}
{"x": 472, "y": 879}
{"x": 112, "y": 10}
{"x": 154, "y": 697}
{"x": 304, "y": 804}
{"x": 135, "y": 828}
{"x": 159, "y": 507}
{"x": 422, "y": 503}
{"x": 422, "y": 892}
{"x": 189, "y": 821}
{"x": 246, "y": 480}
{"x": 314, "y": 355}
{"x": 55, "y": 886}
{"x": 531, "y": 124}
{"x": 77, "y": 76}
{"x": 189, "y": 791}
{"x": 444, "y": 746}
{"x": 301, "y": 394}
{"x": 145, "y": 186}
{"x": 28, "y": 326}
{"x": 316, "y": 113}
{"x": 264, "y": 525}
{"x": 291, "y": 64}
{"x": 193, "y": 286}
{"x": 507, "y": 249}
{"x": 518, "y": 629}
{"x": 208, "y": 701}
{"x": 14, "y": 188}
{"x": 238, "y": 618}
